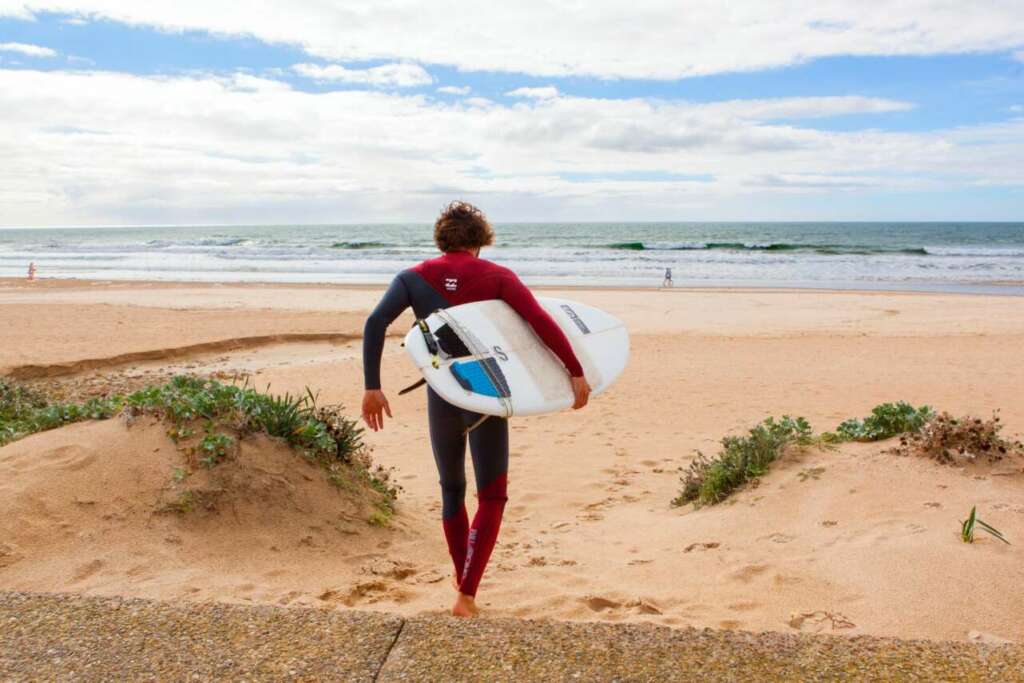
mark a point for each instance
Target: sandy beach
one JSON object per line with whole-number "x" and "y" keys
{"x": 853, "y": 541}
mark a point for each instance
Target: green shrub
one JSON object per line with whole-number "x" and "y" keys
{"x": 24, "y": 411}
{"x": 323, "y": 434}
{"x": 885, "y": 421}
{"x": 214, "y": 448}
{"x": 709, "y": 481}
{"x": 319, "y": 432}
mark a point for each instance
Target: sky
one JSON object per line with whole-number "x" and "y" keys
{"x": 311, "y": 111}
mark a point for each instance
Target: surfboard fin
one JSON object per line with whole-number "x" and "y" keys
{"x": 481, "y": 377}
{"x": 414, "y": 385}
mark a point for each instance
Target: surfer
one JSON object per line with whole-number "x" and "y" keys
{"x": 460, "y": 276}
{"x": 667, "y": 282}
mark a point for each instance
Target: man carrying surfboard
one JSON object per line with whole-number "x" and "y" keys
{"x": 460, "y": 276}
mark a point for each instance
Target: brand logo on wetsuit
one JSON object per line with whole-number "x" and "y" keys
{"x": 451, "y": 283}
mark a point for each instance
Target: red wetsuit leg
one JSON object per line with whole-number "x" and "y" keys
{"x": 456, "y": 533}
{"x": 484, "y": 533}
{"x": 488, "y": 445}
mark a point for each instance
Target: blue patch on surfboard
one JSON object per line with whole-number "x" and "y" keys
{"x": 482, "y": 377}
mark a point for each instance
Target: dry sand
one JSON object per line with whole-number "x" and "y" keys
{"x": 855, "y": 541}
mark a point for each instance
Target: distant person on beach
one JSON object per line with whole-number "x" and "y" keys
{"x": 460, "y": 276}
{"x": 667, "y": 282}
{"x": 31, "y": 271}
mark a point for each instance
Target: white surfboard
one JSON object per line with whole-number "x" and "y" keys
{"x": 485, "y": 358}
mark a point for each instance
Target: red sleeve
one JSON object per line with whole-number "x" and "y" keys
{"x": 521, "y": 299}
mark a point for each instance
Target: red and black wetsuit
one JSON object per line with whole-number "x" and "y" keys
{"x": 451, "y": 279}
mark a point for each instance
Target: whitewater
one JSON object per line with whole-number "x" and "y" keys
{"x": 982, "y": 257}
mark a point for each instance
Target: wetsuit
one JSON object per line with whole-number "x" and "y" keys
{"x": 451, "y": 279}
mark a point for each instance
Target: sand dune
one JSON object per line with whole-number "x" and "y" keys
{"x": 92, "y": 508}
{"x": 849, "y": 541}
{"x": 854, "y": 541}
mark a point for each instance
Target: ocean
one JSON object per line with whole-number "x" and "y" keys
{"x": 969, "y": 257}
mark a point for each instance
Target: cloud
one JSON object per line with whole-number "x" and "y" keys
{"x": 542, "y": 93}
{"x": 28, "y": 50}
{"x": 394, "y": 75}
{"x": 84, "y": 147}
{"x": 807, "y": 107}
{"x": 455, "y": 89}
{"x": 658, "y": 39}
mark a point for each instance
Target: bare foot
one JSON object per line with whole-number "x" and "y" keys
{"x": 465, "y": 606}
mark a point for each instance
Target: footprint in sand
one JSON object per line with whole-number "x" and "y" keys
{"x": 288, "y": 597}
{"x": 701, "y": 546}
{"x": 778, "y": 538}
{"x": 86, "y": 570}
{"x": 370, "y": 592}
{"x": 388, "y": 568}
{"x": 432, "y": 576}
{"x": 7, "y": 556}
{"x": 818, "y": 621}
{"x": 597, "y": 603}
{"x": 744, "y": 606}
{"x": 748, "y": 573}
{"x": 933, "y": 505}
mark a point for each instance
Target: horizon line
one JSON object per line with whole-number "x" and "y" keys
{"x": 497, "y": 223}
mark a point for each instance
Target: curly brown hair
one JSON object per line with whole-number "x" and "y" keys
{"x": 462, "y": 226}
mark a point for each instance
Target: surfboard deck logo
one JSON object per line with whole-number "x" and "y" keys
{"x": 575, "y": 318}
{"x": 485, "y": 358}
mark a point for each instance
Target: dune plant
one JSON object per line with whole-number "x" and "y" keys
{"x": 319, "y": 432}
{"x": 950, "y": 440}
{"x": 885, "y": 421}
{"x": 968, "y": 525}
{"x": 214, "y": 448}
{"x": 24, "y": 411}
{"x": 708, "y": 481}
{"x": 323, "y": 434}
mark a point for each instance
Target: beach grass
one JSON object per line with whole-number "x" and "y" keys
{"x": 24, "y": 411}
{"x": 708, "y": 481}
{"x": 224, "y": 414}
{"x": 968, "y": 526}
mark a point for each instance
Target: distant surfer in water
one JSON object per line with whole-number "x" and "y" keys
{"x": 460, "y": 276}
{"x": 667, "y": 282}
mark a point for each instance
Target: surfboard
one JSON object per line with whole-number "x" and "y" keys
{"x": 485, "y": 358}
